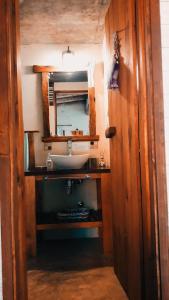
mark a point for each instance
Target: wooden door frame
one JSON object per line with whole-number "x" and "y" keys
{"x": 14, "y": 285}
{"x": 152, "y": 154}
{"x": 152, "y": 151}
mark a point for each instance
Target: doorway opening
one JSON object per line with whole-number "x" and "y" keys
{"x": 67, "y": 157}
{"x": 136, "y": 173}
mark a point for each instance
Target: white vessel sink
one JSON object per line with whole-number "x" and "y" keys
{"x": 76, "y": 161}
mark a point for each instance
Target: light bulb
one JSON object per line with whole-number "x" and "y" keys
{"x": 68, "y": 59}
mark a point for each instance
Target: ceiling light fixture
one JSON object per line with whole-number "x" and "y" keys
{"x": 67, "y": 57}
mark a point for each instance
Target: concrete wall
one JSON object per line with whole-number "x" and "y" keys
{"x": 164, "y": 10}
{"x": 32, "y": 112}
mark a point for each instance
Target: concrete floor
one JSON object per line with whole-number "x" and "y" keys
{"x": 72, "y": 270}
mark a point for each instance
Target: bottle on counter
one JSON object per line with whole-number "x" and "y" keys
{"x": 49, "y": 163}
{"x": 101, "y": 160}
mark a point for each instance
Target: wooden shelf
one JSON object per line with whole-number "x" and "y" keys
{"x": 46, "y": 69}
{"x": 83, "y": 138}
{"x": 69, "y": 225}
{"x": 31, "y": 131}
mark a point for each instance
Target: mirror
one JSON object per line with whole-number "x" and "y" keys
{"x": 68, "y": 105}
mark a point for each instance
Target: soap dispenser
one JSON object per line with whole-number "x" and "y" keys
{"x": 49, "y": 163}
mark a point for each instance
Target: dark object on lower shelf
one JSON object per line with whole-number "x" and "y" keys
{"x": 73, "y": 214}
{"x": 110, "y": 132}
{"x": 52, "y": 218}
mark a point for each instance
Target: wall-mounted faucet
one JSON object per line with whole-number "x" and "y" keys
{"x": 69, "y": 147}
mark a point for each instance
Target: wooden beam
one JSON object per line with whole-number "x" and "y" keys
{"x": 152, "y": 152}
{"x": 83, "y": 176}
{"x": 69, "y": 225}
{"x": 107, "y": 215}
{"x": 45, "y": 100}
{"x": 92, "y": 111}
{"x": 30, "y": 201}
{"x": 31, "y": 150}
{"x": 44, "y": 69}
{"x": 33, "y": 131}
{"x": 71, "y": 91}
{"x": 82, "y": 138}
{"x": 11, "y": 157}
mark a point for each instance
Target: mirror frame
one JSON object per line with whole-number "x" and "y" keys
{"x": 45, "y": 70}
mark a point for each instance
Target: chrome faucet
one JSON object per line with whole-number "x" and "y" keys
{"x": 69, "y": 147}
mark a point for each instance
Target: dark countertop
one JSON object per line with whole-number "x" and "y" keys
{"x": 43, "y": 171}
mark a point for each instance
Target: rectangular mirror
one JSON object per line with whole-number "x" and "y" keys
{"x": 68, "y": 105}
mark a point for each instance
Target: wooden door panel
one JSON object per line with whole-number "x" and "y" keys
{"x": 123, "y": 114}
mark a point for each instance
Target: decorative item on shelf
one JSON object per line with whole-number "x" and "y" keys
{"x": 92, "y": 163}
{"x": 110, "y": 132}
{"x": 70, "y": 214}
{"x": 77, "y": 132}
{"x": 101, "y": 160}
{"x": 29, "y": 149}
{"x": 114, "y": 74}
{"x": 49, "y": 163}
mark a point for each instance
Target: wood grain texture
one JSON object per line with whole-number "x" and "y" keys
{"x": 44, "y": 69}
{"x": 92, "y": 111}
{"x": 83, "y": 138}
{"x": 153, "y": 179}
{"x": 106, "y": 204}
{"x": 31, "y": 150}
{"x": 11, "y": 157}
{"x": 69, "y": 176}
{"x": 30, "y": 200}
{"x": 123, "y": 114}
{"x": 69, "y": 225}
{"x": 70, "y": 91}
{"x": 45, "y": 101}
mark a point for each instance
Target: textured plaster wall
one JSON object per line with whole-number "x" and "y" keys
{"x": 52, "y": 21}
{"x": 164, "y": 10}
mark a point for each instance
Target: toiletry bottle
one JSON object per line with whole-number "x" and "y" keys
{"x": 49, "y": 163}
{"x": 101, "y": 160}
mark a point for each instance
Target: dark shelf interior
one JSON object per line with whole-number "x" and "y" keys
{"x": 51, "y": 218}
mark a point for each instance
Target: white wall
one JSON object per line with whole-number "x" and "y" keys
{"x": 32, "y": 113}
{"x": 164, "y": 10}
{"x": 32, "y": 98}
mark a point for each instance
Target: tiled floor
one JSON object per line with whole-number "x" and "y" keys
{"x": 72, "y": 270}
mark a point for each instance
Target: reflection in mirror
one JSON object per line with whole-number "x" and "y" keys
{"x": 69, "y": 103}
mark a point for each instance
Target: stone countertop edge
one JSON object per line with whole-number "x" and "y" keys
{"x": 43, "y": 171}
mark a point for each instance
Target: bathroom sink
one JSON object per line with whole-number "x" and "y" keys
{"x": 73, "y": 161}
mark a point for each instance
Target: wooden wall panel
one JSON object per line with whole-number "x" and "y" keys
{"x": 11, "y": 157}
{"x": 92, "y": 111}
{"x": 152, "y": 152}
{"x": 45, "y": 93}
{"x": 30, "y": 204}
{"x": 123, "y": 114}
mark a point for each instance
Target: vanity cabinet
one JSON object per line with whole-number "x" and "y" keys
{"x": 104, "y": 203}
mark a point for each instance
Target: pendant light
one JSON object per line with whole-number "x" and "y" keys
{"x": 68, "y": 58}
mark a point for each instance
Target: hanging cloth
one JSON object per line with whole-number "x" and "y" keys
{"x": 114, "y": 74}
